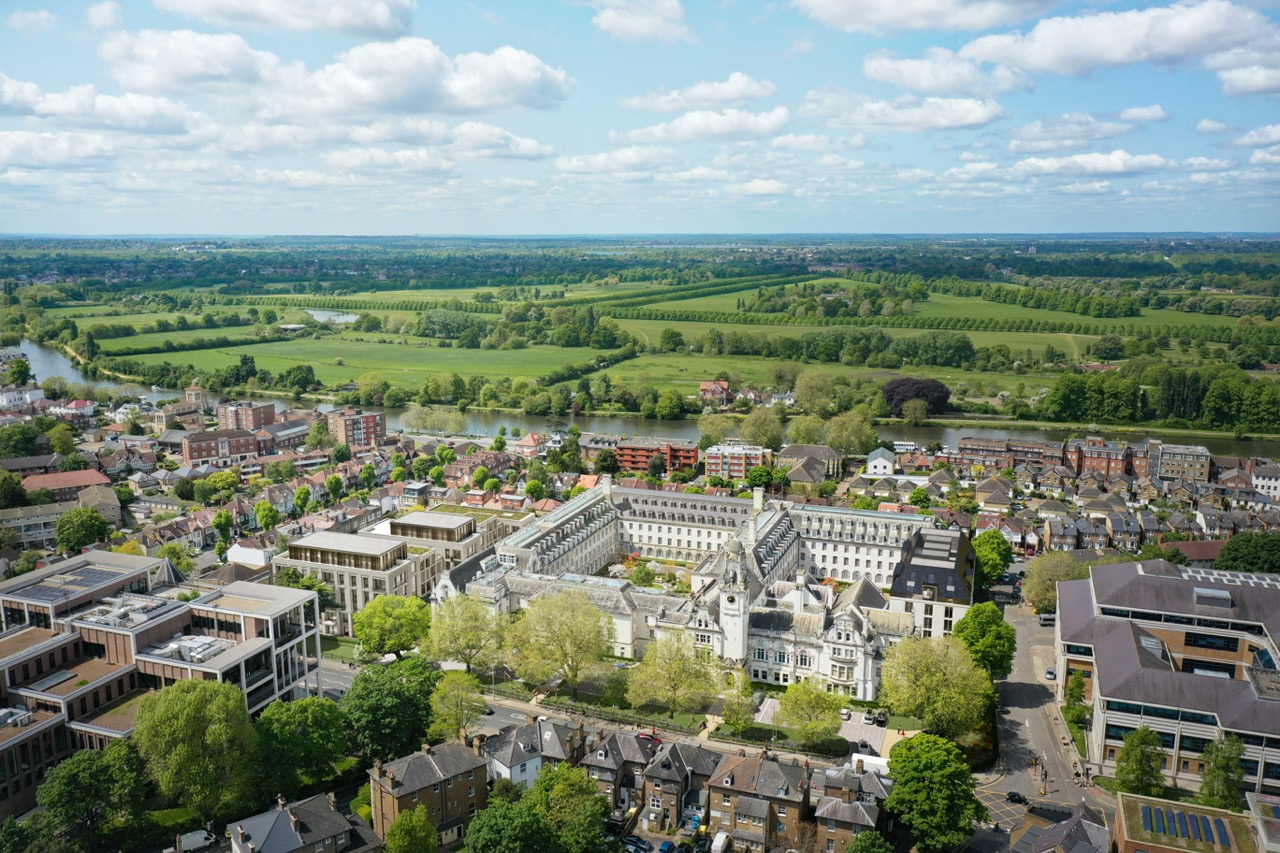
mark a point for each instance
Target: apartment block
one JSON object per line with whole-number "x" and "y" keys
{"x": 65, "y": 485}
{"x": 37, "y": 526}
{"x": 356, "y": 427}
{"x": 245, "y": 415}
{"x": 85, "y": 638}
{"x": 733, "y": 461}
{"x": 1184, "y": 462}
{"x": 450, "y": 780}
{"x": 634, "y": 453}
{"x": 222, "y": 448}
{"x": 359, "y": 568}
{"x": 1190, "y": 653}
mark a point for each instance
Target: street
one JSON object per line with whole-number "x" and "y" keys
{"x": 1033, "y": 758}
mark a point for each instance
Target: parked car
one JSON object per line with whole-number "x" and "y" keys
{"x": 1015, "y": 797}
{"x": 637, "y": 841}
{"x": 1049, "y": 674}
{"x": 882, "y": 719}
{"x": 869, "y": 718}
{"x": 864, "y": 747}
{"x": 666, "y": 847}
{"x": 846, "y": 714}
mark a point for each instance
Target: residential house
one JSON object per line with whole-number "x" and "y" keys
{"x": 1051, "y": 828}
{"x": 846, "y": 801}
{"x": 675, "y": 785}
{"x": 714, "y": 392}
{"x": 313, "y": 825}
{"x": 794, "y": 454}
{"x": 529, "y": 445}
{"x": 451, "y": 780}
{"x": 880, "y": 463}
{"x": 520, "y": 753}
{"x": 757, "y": 801}
{"x": 65, "y": 485}
{"x": 617, "y": 764}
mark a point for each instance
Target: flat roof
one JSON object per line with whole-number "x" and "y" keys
{"x": 10, "y": 732}
{"x": 427, "y": 518}
{"x": 118, "y": 716}
{"x": 71, "y": 677}
{"x": 255, "y": 598}
{"x": 1227, "y": 831}
{"x": 349, "y": 543}
{"x": 21, "y": 640}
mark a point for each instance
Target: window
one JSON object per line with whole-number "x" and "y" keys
{"x": 436, "y": 786}
{"x": 471, "y": 810}
{"x": 413, "y": 797}
{"x": 1209, "y": 641}
{"x": 782, "y": 811}
{"x": 319, "y": 847}
{"x": 471, "y": 790}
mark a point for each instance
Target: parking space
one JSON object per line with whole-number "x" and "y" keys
{"x": 855, "y": 731}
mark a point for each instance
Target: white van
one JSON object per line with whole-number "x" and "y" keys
{"x": 721, "y": 844}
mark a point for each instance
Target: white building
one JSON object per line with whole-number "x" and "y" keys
{"x": 880, "y": 463}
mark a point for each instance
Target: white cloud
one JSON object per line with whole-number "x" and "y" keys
{"x": 906, "y": 114}
{"x": 85, "y": 106}
{"x": 402, "y": 129}
{"x": 879, "y": 15}
{"x": 738, "y": 89}
{"x": 813, "y": 142}
{"x": 1118, "y": 162}
{"x": 696, "y": 174}
{"x": 758, "y": 186}
{"x": 1087, "y": 188}
{"x": 1208, "y": 125}
{"x": 487, "y": 140}
{"x": 179, "y": 61}
{"x": 1155, "y": 112}
{"x": 709, "y": 124}
{"x": 17, "y": 96}
{"x": 26, "y": 148}
{"x": 1265, "y": 157}
{"x": 103, "y": 16}
{"x": 414, "y": 75}
{"x": 636, "y": 157}
{"x": 1269, "y": 135}
{"x": 1207, "y": 164}
{"x": 33, "y": 21}
{"x": 642, "y": 20}
{"x": 347, "y": 17}
{"x": 1072, "y": 130}
{"x": 941, "y": 72}
{"x": 1237, "y": 42}
{"x": 405, "y": 159}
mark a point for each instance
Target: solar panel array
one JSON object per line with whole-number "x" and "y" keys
{"x": 85, "y": 578}
{"x": 1165, "y": 821}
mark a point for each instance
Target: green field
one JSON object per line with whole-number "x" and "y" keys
{"x": 946, "y": 305}
{"x": 408, "y": 366}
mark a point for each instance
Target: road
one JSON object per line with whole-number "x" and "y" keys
{"x": 1033, "y": 761}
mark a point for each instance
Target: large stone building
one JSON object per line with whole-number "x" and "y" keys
{"x": 245, "y": 415}
{"x": 1190, "y": 653}
{"x": 756, "y": 571}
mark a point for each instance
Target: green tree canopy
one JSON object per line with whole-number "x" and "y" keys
{"x": 506, "y": 826}
{"x": 268, "y": 516}
{"x": 934, "y": 792}
{"x": 199, "y": 746}
{"x": 388, "y": 708}
{"x": 222, "y": 522}
{"x": 1222, "y": 783}
{"x": 412, "y": 832}
{"x": 994, "y": 554}
{"x": 463, "y": 629}
{"x": 851, "y": 433}
{"x": 738, "y": 707}
{"x": 561, "y": 635}
{"x": 1250, "y": 552}
{"x": 1140, "y": 764}
{"x": 571, "y": 805}
{"x": 291, "y": 577}
{"x": 809, "y": 709}
{"x": 300, "y": 741}
{"x": 456, "y": 705}
{"x": 673, "y": 674}
{"x": 1040, "y": 587}
{"x": 714, "y": 429}
{"x": 392, "y": 624}
{"x": 868, "y": 841}
{"x": 84, "y": 795}
{"x": 991, "y": 640}
{"x": 762, "y": 427}
{"x": 78, "y": 528}
{"x": 936, "y": 680}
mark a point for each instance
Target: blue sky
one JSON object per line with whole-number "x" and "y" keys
{"x": 637, "y": 116}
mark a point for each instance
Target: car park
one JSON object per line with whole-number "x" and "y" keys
{"x": 869, "y": 718}
{"x": 882, "y": 719}
{"x": 846, "y": 714}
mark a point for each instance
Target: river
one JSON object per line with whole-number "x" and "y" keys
{"x": 46, "y": 362}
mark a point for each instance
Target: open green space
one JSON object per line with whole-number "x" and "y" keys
{"x": 946, "y": 305}
{"x": 158, "y": 339}
{"x": 340, "y": 648}
{"x": 399, "y": 364}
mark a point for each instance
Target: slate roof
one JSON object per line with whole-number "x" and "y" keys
{"x": 417, "y": 771}
{"x": 762, "y": 777}
{"x": 277, "y": 831}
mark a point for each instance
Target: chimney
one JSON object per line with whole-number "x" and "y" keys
{"x": 475, "y": 743}
{"x": 238, "y": 833}
{"x": 377, "y": 767}
{"x": 253, "y": 848}
{"x": 177, "y": 842}
{"x": 844, "y": 794}
{"x": 859, "y": 768}
{"x": 426, "y": 749}
{"x": 280, "y": 802}
{"x": 333, "y": 801}
{"x": 293, "y": 820}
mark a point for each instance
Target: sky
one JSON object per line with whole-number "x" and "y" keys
{"x": 242, "y": 117}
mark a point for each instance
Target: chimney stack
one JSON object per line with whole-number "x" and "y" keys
{"x": 377, "y": 767}
{"x": 426, "y": 749}
{"x": 293, "y": 820}
{"x": 333, "y": 801}
{"x": 859, "y": 768}
{"x": 475, "y": 743}
{"x": 280, "y": 802}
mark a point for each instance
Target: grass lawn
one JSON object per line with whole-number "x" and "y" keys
{"x": 156, "y": 339}
{"x": 1077, "y": 736}
{"x": 944, "y": 304}
{"x": 178, "y": 820}
{"x": 339, "y": 648}
{"x": 399, "y": 364}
